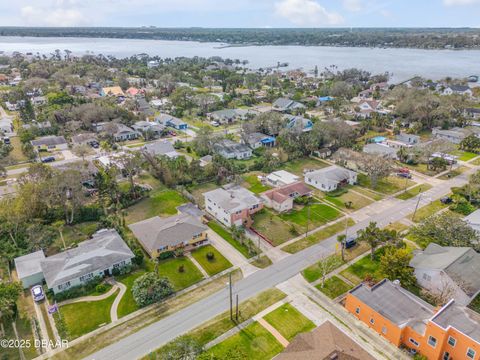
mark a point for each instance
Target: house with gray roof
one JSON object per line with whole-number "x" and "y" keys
{"x": 50, "y": 143}
{"x": 454, "y": 135}
{"x": 149, "y": 127}
{"x": 256, "y": 140}
{"x": 330, "y": 178}
{"x": 380, "y": 149}
{"x": 159, "y": 235}
{"x": 286, "y": 105}
{"x": 160, "y": 148}
{"x": 231, "y": 150}
{"x": 455, "y": 270}
{"x": 92, "y": 258}
{"x": 473, "y": 220}
{"x": 458, "y": 90}
{"x": 171, "y": 121}
{"x": 227, "y": 116}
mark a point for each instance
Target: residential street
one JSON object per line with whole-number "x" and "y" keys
{"x": 152, "y": 337}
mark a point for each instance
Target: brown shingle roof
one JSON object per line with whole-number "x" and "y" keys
{"x": 324, "y": 343}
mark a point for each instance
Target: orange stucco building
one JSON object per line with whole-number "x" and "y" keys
{"x": 448, "y": 333}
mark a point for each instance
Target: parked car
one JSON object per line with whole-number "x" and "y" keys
{"x": 48, "y": 159}
{"x": 404, "y": 175}
{"x": 37, "y": 293}
{"x": 6, "y": 140}
{"x": 172, "y": 133}
{"x": 94, "y": 144}
{"x": 446, "y": 200}
{"x": 350, "y": 242}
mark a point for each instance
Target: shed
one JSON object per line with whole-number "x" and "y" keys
{"x": 29, "y": 270}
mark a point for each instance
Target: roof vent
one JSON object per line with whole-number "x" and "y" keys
{"x": 334, "y": 356}
{"x": 396, "y": 282}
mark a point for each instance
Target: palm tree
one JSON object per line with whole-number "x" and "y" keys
{"x": 372, "y": 235}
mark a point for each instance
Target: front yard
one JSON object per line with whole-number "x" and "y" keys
{"x": 269, "y": 224}
{"x": 387, "y": 186}
{"x": 413, "y": 191}
{"x": 289, "y": 321}
{"x": 211, "y": 265}
{"x": 427, "y": 210}
{"x": 253, "y": 342}
{"x": 349, "y": 201}
{"x": 364, "y": 267}
{"x": 464, "y": 155}
{"x": 334, "y": 287}
{"x": 227, "y": 236}
{"x": 84, "y": 317}
{"x": 181, "y": 272}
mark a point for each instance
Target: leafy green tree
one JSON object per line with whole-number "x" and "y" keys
{"x": 149, "y": 289}
{"x": 372, "y": 235}
{"x": 470, "y": 143}
{"x": 394, "y": 264}
{"x": 9, "y": 293}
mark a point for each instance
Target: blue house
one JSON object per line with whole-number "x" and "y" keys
{"x": 171, "y": 121}
{"x": 324, "y": 99}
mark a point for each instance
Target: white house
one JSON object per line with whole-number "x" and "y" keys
{"x": 448, "y": 270}
{"x": 474, "y": 220}
{"x": 330, "y": 178}
{"x": 232, "y": 205}
{"x": 231, "y": 150}
{"x": 458, "y": 89}
{"x": 92, "y": 258}
{"x": 281, "y": 178}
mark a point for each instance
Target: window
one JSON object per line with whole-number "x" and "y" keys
{"x": 432, "y": 341}
{"x": 427, "y": 277}
{"x": 86, "y": 277}
{"x": 471, "y": 353}
{"x": 413, "y": 341}
{"x": 64, "y": 286}
{"x": 451, "y": 341}
{"x": 446, "y": 355}
{"x": 372, "y": 321}
{"x": 357, "y": 310}
{"x": 384, "y": 330}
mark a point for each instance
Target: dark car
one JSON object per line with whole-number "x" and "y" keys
{"x": 446, "y": 200}
{"x": 350, "y": 242}
{"x": 404, "y": 175}
{"x": 94, "y": 144}
{"x": 48, "y": 159}
{"x": 6, "y": 141}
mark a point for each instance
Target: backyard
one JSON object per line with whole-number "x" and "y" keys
{"x": 161, "y": 202}
{"x": 298, "y": 166}
{"x": 213, "y": 265}
{"x": 72, "y": 234}
{"x": 289, "y": 321}
{"x": 253, "y": 184}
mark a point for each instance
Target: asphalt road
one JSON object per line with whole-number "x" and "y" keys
{"x": 155, "y": 335}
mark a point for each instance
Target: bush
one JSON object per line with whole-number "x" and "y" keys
{"x": 78, "y": 291}
{"x": 138, "y": 259}
{"x": 101, "y": 288}
{"x": 338, "y": 192}
{"x": 210, "y": 256}
{"x": 166, "y": 255}
{"x": 122, "y": 270}
{"x": 149, "y": 289}
{"x": 181, "y": 269}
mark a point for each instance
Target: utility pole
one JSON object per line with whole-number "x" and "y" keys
{"x": 418, "y": 202}
{"x": 231, "y": 300}
{"x": 308, "y": 218}
{"x": 236, "y": 316}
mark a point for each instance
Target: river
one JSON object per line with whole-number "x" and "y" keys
{"x": 401, "y": 63}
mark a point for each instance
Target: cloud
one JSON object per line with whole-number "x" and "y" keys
{"x": 460, "y": 2}
{"x": 57, "y": 15}
{"x": 352, "y": 5}
{"x": 306, "y": 13}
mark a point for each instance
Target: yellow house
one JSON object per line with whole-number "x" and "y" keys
{"x": 159, "y": 235}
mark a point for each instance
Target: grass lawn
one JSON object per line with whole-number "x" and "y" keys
{"x": 222, "y": 323}
{"x": 313, "y": 272}
{"x": 334, "y": 287}
{"x": 16, "y": 155}
{"x": 421, "y": 168}
{"x": 397, "y": 226}
{"x": 253, "y": 184}
{"x": 369, "y": 193}
{"x": 271, "y": 225}
{"x": 297, "y": 166}
{"x": 262, "y": 262}
{"x": 317, "y": 237}
{"x": 180, "y": 280}
{"x": 214, "y": 266}
{"x": 357, "y": 272}
{"x": 427, "y": 210}
{"x": 198, "y": 190}
{"x": 357, "y": 201}
{"x": 253, "y": 343}
{"x": 413, "y": 191}
{"x": 464, "y": 155}
{"x": 161, "y": 202}
{"x": 454, "y": 173}
{"x": 127, "y": 304}
{"x": 475, "y": 304}
{"x": 225, "y": 234}
{"x": 84, "y": 317}
{"x": 73, "y": 234}
{"x": 389, "y": 185}
{"x": 476, "y": 162}
{"x": 319, "y": 214}
{"x": 289, "y": 321}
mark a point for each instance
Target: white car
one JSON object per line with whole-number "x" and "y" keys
{"x": 37, "y": 293}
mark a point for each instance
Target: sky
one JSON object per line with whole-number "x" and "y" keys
{"x": 241, "y": 13}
